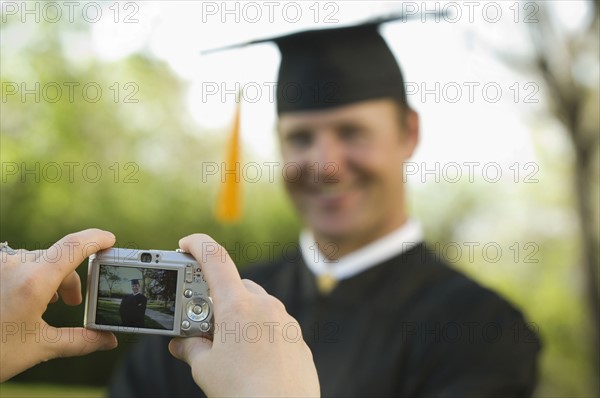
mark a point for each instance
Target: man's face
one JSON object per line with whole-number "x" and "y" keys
{"x": 343, "y": 168}
{"x": 135, "y": 288}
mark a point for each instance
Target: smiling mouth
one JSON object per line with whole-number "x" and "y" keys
{"x": 331, "y": 191}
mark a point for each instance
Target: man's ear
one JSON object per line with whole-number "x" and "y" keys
{"x": 411, "y": 132}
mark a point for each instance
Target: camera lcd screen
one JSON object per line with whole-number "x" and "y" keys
{"x": 136, "y": 297}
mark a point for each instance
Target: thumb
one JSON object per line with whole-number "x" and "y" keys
{"x": 190, "y": 349}
{"x": 79, "y": 341}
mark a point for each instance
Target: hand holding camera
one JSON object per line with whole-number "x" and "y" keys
{"x": 266, "y": 363}
{"x": 32, "y": 279}
{"x": 168, "y": 295}
{"x": 198, "y": 291}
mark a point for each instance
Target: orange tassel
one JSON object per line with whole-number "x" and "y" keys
{"x": 229, "y": 208}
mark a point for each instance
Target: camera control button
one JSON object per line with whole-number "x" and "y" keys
{"x": 189, "y": 274}
{"x": 185, "y": 325}
{"x": 204, "y": 326}
{"x": 188, "y": 293}
{"x": 198, "y": 310}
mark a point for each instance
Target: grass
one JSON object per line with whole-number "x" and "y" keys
{"x": 152, "y": 324}
{"x": 160, "y": 307}
{"x": 22, "y": 390}
{"x": 107, "y": 313}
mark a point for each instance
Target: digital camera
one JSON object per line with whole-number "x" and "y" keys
{"x": 147, "y": 291}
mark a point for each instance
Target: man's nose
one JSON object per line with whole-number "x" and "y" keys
{"x": 327, "y": 158}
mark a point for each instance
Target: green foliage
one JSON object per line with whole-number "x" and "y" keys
{"x": 19, "y": 390}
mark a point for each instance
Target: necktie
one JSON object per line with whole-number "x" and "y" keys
{"x": 326, "y": 283}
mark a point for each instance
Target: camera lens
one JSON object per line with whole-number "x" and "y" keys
{"x": 146, "y": 257}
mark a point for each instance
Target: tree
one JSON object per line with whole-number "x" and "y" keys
{"x": 162, "y": 285}
{"x": 109, "y": 273}
{"x": 575, "y": 105}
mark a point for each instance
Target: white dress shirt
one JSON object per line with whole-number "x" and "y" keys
{"x": 376, "y": 252}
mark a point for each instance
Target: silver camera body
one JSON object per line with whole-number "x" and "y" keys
{"x": 149, "y": 292}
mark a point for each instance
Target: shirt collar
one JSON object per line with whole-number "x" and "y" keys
{"x": 374, "y": 253}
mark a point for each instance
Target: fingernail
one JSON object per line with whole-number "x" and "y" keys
{"x": 110, "y": 343}
{"x": 175, "y": 347}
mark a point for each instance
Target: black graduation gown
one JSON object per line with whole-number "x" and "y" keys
{"x": 409, "y": 327}
{"x": 133, "y": 310}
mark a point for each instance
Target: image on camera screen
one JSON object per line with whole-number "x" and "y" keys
{"x": 136, "y": 297}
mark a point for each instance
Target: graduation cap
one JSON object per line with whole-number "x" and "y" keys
{"x": 322, "y": 69}
{"x": 135, "y": 282}
{"x": 330, "y": 67}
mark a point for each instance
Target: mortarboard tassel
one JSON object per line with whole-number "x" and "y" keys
{"x": 229, "y": 199}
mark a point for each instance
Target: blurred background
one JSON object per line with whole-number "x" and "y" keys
{"x": 112, "y": 118}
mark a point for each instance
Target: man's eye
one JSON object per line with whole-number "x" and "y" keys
{"x": 300, "y": 140}
{"x": 350, "y": 133}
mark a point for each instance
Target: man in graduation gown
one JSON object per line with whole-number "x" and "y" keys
{"x": 133, "y": 307}
{"x": 382, "y": 314}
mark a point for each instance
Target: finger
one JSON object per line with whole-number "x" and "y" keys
{"x": 72, "y": 342}
{"x": 34, "y": 255}
{"x": 219, "y": 270}
{"x": 54, "y": 298}
{"x": 190, "y": 348}
{"x": 29, "y": 256}
{"x": 253, "y": 287}
{"x": 72, "y": 250}
{"x": 70, "y": 289}
{"x": 18, "y": 256}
